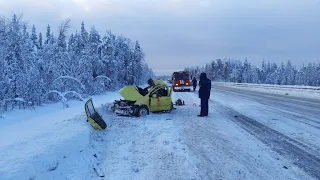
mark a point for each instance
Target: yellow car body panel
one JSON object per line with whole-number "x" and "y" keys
{"x": 130, "y": 93}
{"x": 160, "y": 104}
{"x": 93, "y": 117}
{"x": 94, "y": 124}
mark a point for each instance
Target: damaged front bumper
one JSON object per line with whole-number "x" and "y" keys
{"x": 123, "y": 107}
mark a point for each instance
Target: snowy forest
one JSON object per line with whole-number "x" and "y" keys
{"x": 269, "y": 73}
{"x": 37, "y": 68}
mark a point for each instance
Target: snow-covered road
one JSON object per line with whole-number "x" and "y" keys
{"x": 248, "y": 135}
{"x": 241, "y": 139}
{"x": 288, "y": 125}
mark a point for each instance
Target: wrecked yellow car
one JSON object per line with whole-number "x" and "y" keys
{"x": 140, "y": 102}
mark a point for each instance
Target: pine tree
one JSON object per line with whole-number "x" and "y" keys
{"x": 290, "y": 73}
{"x": 48, "y": 35}
{"x": 84, "y": 36}
{"x": 34, "y": 37}
{"x": 122, "y": 59}
{"x": 226, "y": 71}
{"x": 40, "y": 41}
{"x": 219, "y": 69}
{"x": 4, "y": 81}
{"x": 74, "y": 54}
{"x": 62, "y": 44}
{"x": 94, "y": 52}
{"x": 255, "y": 75}
{"x": 274, "y": 77}
{"x": 213, "y": 71}
{"x": 282, "y": 72}
{"x": 138, "y": 61}
{"x": 311, "y": 74}
{"x": 13, "y": 58}
{"x": 86, "y": 72}
{"x": 246, "y": 72}
{"x": 263, "y": 72}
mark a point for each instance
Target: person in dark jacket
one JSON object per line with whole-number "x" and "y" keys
{"x": 194, "y": 83}
{"x": 204, "y": 94}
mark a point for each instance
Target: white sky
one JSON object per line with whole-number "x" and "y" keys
{"x": 179, "y": 33}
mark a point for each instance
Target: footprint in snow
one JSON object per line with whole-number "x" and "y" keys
{"x": 134, "y": 169}
{"x": 53, "y": 167}
{"x": 166, "y": 142}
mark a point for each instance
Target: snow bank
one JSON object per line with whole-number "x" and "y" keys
{"x": 297, "y": 91}
{"x": 48, "y": 142}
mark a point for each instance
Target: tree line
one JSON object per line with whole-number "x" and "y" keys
{"x": 237, "y": 71}
{"x": 33, "y": 66}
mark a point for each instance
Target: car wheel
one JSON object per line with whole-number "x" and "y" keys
{"x": 142, "y": 111}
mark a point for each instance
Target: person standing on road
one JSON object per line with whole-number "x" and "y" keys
{"x": 194, "y": 83}
{"x": 204, "y": 94}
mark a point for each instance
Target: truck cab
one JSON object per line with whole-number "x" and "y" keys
{"x": 181, "y": 81}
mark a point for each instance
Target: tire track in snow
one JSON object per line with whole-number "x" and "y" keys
{"x": 145, "y": 148}
{"x": 298, "y": 153}
{"x": 290, "y": 116}
{"x": 212, "y": 154}
{"x": 285, "y": 103}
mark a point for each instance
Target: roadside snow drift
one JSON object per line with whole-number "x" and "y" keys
{"x": 48, "y": 142}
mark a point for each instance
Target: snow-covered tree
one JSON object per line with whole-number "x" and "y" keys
{"x": 269, "y": 73}
{"x": 236, "y": 72}
{"x": 48, "y": 35}
{"x": 34, "y": 37}
{"x": 13, "y": 58}
{"x": 246, "y": 72}
{"x": 84, "y": 36}
{"x": 40, "y": 43}
{"x": 108, "y": 53}
{"x": 137, "y": 63}
{"x": 34, "y": 68}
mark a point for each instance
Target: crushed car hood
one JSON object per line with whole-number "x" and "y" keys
{"x": 130, "y": 93}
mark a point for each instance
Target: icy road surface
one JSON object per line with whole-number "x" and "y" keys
{"x": 248, "y": 135}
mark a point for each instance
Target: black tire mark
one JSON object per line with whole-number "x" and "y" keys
{"x": 300, "y": 154}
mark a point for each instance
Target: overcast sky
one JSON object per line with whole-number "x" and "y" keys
{"x": 179, "y": 33}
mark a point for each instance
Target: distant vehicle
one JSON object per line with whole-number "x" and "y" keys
{"x": 181, "y": 81}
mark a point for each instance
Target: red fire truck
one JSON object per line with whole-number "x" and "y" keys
{"x": 181, "y": 81}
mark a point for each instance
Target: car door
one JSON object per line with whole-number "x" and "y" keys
{"x": 160, "y": 102}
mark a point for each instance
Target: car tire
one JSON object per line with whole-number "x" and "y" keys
{"x": 171, "y": 105}
{"x": 142, "y": 111}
